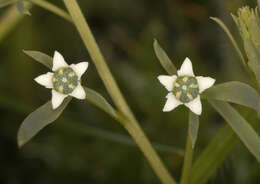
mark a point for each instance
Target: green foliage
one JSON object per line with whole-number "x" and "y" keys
{"x": 193, "y": 128}
{"x": 4, "y": 3}
{"x": 164, "y": 59}
{"x": 240, "y": 126}
{"x": 213, "y": 156}
{"x": 39, "y": 119}
{"x": 224, "y": 27}
{"x": 22, "y": 8}
{"x": 99, "y": 101}
{"x": 40, "y": 57}
{"x": 235, "y": 92}
{"x": 253, "y": 57}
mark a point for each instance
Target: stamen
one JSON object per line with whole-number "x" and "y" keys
{"x": 189, "y": 96}
{"x": 185, "y": 79}
{"x": 177, "y": 84}
{"x": 178, "y": 94}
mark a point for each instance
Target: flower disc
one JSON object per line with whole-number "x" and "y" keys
{"x": 186, "y": 88}
{"x": 65, "y": 80}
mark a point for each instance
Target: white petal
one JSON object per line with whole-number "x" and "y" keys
{"x": 171, "y": 103}
{"x": 57, "y": 99}
{"x": 186, "y": 68}
{"x": 78, "y": 92}
{"x": 45, "y": 80}
{"x": 205, "y": 83}
{"x": 195, "y": 106}
{"x": 79, "y": 68}
{"x": 58, "y": 61}
{"x": 167, "y": 81}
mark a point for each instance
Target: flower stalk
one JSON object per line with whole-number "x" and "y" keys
{"x": 127, "y": 119}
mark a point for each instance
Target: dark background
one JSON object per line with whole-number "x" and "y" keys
{"x": 85, "y": 145}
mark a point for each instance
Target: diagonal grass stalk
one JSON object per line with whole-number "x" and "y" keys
{"x": 127, "y": 120}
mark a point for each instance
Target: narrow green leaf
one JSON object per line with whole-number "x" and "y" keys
{"x": 4, "y": 3}
{"x": 40, "y": 57}
{"x": 37, "y": 120}
{"x": 21, "y": 8}
{"x": 164, "y": 59}
{"x": 240, "y": 126}
{"x": 226, "y": 30}
{"x": 213, "y": 156}
{"x": 253, "y": 57}
{"x": 99, "y": 101}
{"x": 235, "y": 92}
{"x": 193, "y": 128}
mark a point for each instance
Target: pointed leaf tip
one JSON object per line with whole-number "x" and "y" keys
{"x": 164, "y": 59}
{"x": 42, "y": 58}
{"x": 37, "y": 120}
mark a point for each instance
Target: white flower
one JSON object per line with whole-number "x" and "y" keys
{"x": 185, "y": 88}
{"x": 64, "y": 81}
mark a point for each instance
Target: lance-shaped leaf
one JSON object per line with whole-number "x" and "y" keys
{"x": 4, "y": 3}
{"x": 240, "y": 126}
{"x": 39, "y": 119}
{"x": 235, "y": 92}
{"x": 42, "y": 58}
{"x": 193, "y": 128}
{"x": 21, "y": 8}
{"x": 213, "y": 156}
{"x": 164, "y": 59}
{"x": 224, "y": 27}
{"x": 99, "y": 101}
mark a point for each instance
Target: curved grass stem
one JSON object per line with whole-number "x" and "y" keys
{"x": 128, "y": 120}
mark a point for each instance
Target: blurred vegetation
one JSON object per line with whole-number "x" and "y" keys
{"x": 87, "y": 146}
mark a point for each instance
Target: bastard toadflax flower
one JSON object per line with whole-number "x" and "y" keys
{"x": 185, "y": 88}
{"x": 64, "y": 80}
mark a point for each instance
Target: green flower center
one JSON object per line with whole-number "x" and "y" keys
{"x": 64, "y": 80}
{"x": 185, "y": 88}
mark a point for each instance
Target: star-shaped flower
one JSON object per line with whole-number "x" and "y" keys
{"x": 185, "y": 88}
{"x": 64, "y": 80}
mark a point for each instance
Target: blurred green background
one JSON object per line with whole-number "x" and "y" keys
{"x": 87, "y": 146}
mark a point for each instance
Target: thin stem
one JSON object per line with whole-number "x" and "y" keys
{"x": 9, "y": 20}
{"x": 185, "y": 178}
{"x": 52, "y": 8}
{"x": 128, "y": 120}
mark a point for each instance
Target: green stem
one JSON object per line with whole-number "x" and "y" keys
{"x": 9, "y": 20}
{"x": 128, "y": 120}
{"x": 186, "y": 170}
{"x": 52, "y": 8}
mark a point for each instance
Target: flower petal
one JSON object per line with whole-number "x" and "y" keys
{"x": 79, "y": 68}
{"x": 195, "y": 106}
{"x": 58, "y": 61}
{"x": 205, "y": 83}
{"x": 186, "y": 68}
{"x": 171, "y": 103}
{"x": 167, "y": 81}
{"x": 45, "y": 80}
{"x": 57, "y": 99}
{"x": 78, "y": 92}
